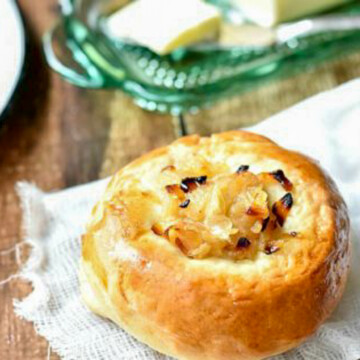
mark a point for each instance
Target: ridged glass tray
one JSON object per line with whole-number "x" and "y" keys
{"x": 79, "y": 49}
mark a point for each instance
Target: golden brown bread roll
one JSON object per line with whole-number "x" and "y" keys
{"x": 228, "y": 247}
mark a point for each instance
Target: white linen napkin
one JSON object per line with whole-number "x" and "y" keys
{"x": 326, "y": 127}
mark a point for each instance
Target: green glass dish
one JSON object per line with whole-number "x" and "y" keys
{"x": 79, "y": 49}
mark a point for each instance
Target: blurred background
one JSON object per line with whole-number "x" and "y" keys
{"x": 58, "y": 135}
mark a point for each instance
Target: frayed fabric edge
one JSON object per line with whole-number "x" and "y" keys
{"x": 35, "y": 230}
{"x": 32, "y": 202}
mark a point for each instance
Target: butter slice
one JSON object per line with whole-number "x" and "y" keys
{"x": 271, "y": 12}
{"x": 165, "y": 25}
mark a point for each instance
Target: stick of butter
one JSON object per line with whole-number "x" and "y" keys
{"x": 165, "y": 25}
{"x": 271, "y": 12}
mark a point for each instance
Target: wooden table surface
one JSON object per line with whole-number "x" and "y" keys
{"x": 56, "y": 136}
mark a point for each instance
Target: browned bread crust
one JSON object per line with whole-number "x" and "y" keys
{"x": 215, "y": 299}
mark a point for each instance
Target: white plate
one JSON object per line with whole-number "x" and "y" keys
{"x": 12, "y": 50}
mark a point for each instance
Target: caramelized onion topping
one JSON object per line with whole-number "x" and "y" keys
{"x": 169, "y": 167}
{"x": 166, "y": 232}
{"x": 265, "y": 223}
{"x": 191, "y": 183}
{"x": 116, "y": 207}
{"x": 255, "y": 211}
{"x": 282, "y": 207}
{"x": 279, "y": 176}
{"x": 270, "y": 249}
{"x": 181, "y": 246}
{"x": 185, "y": 204}
{"x": 237, "y": 204}
{"x": 175, "y": 190}
{"x": 272, "y": 225}
{"x": 243, "y": 243}
{"x": 242, "y": 168}
{"x": 157, "y": 230}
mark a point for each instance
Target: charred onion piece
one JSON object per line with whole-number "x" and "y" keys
{"x": 243, "y": 243}
{"x": 242, "y": 168}
{"x": 175, "y": 190}
{"x": 265, "y": 223}
{"x": 191, "y": 183}
{"x": 201, "y": 179}
{"x": 279, "y": 176}
{"x": 282, "y": 207}
{"x": 270, "y": 249}
{"x": 185, "y": 204}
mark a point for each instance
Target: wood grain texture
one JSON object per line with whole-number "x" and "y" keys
{"x": 56, "y": 136}
{"x": 256, "y": 106}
